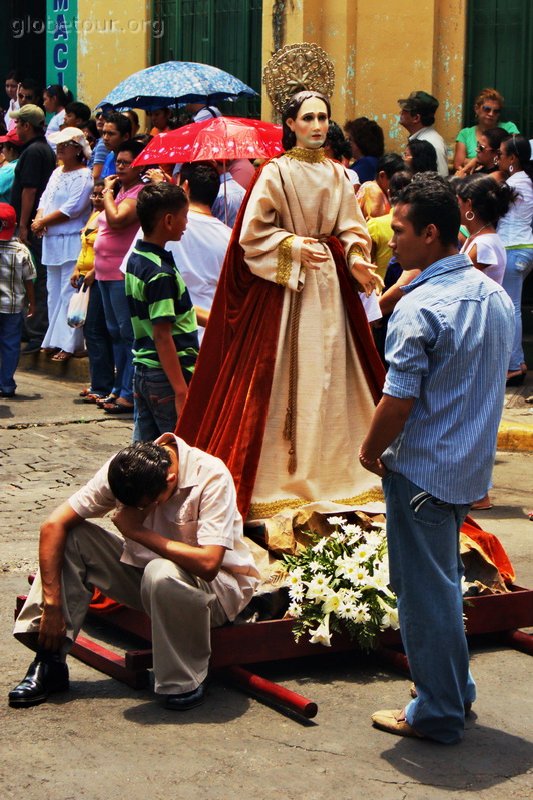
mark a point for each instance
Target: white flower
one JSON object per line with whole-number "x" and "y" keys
{"x": 295, "y": 575}
{"x": 374, "y": 539}
{"x": 364, "y": 552}
{"x": 362, "y": 614}
{"x": 360, "y": 576}
{"x": 380, "y": 581}
{"x": 331, "y": 603}
{"x": 320, "y": 545}
{"x": 297, "y": 592}
{"x": 352, "y": 530}
{"x": 336, "y": 521}
{"x": 347, "y": 567}
{"x": 294, "y": 610}
{"x": 321, "y": 634}
{"x": 317, "y": 588}
{"x": 390, "y": 615}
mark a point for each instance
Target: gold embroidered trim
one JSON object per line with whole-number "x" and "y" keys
{"x": 309, "y": 156}
{"x": 261, "y": 510}
{"x": 283, "y": 272}
{"x": 358, "y": 252}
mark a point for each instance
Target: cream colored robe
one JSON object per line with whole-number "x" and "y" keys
{"x": 291, "y": 200}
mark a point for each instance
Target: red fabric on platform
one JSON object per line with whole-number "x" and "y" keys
{"x": 492, "y": 547}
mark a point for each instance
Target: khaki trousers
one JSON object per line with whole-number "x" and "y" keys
{"x": 182, "y": 607}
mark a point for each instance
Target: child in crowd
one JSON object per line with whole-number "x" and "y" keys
{"x": 162, "y": 316}
{"x": 16, "y": 275}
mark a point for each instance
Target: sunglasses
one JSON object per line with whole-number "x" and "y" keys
{"x": 121, "y": 163}
{"x": 490, "y": 110}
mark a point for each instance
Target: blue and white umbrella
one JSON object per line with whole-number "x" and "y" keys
{"x": 175, "y": 82}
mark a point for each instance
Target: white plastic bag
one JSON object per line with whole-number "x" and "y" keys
{"x": 77, "y": 308}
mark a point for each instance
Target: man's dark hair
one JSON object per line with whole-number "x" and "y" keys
{"x": 426, "y": 117}
{"x": 157, "y": 199}
{"x": 35, "y": 87}
{"x": 389, "y": 164}
{"x": 80, "y": 110}
{"x": 432, "y": 201}
{"x": 121, "y": 123}
{"x": 203, "y": 180}
{"x": 138, "y": 473}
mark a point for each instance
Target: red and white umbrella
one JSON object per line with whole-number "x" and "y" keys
{"x": 219, "y": 139}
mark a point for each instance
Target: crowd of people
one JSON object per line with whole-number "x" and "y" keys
{"x": 334, "y": 236}
{"x": 51, "y": 189}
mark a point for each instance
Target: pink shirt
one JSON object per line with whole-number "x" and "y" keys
{"x": 112, "y": 244}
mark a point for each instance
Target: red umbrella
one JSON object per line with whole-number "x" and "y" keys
{"x": 220, "y": 138}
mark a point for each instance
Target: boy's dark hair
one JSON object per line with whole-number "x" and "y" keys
{"x": 432, "y": 201}
{"x": 138, "y": 473}
{"x": 203, "y": 180}
{"x": 157, "y": 199}
{"x": 80, "y": 110}
{"x": 121, "y": 123}
{"x": 397, "y": 183}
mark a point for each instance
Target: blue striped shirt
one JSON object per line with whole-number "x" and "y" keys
{"x": 448, "y": 345}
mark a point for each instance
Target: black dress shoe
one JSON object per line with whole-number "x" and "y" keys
{"x": 182, "y": 702}
{"x": 43, "y": 678}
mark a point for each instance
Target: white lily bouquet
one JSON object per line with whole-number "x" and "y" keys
{"x": 341, "y": 582}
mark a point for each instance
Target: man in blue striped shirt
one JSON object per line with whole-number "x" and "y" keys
{"x": 433, "y": 441}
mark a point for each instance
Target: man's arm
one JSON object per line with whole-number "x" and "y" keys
{"x": 166, "y": 351}
{"x": 387, "y": 423}
{"x": 204, "y": 561}
{"x": 54, "y": 532}
{"x": 26, "y": 207}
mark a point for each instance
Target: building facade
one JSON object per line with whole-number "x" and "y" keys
{"x": 381, "y": 50}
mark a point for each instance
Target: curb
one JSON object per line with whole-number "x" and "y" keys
{"x": 75, "y": 369}
{"x": 515, "y": 437}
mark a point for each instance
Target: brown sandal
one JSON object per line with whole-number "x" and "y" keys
{"x": 62, "y": 356}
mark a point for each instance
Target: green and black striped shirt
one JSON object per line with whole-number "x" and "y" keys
{"x": 156, "y": 293}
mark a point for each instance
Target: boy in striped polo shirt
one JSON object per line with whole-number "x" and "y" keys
{"x": 163, "y": 319}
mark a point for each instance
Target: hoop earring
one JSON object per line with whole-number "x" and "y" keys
{"x": 511, "y": 169}
{"x": 471, "y": 217}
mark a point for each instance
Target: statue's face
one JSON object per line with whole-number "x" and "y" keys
{"x": 311, "y": 124}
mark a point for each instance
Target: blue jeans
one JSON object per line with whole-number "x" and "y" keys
{"x": 99, "y": 345}
{"x": 118, "y": 321}
{"x": 426, "y": 571}
{"x": 519, "y": 265}
{"x": 10, "y": 335}
{"x": 155, "y": 410}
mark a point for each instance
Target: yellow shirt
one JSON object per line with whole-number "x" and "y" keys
{"x": 380, "y": 231}
{"x": 85, "y": 261}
